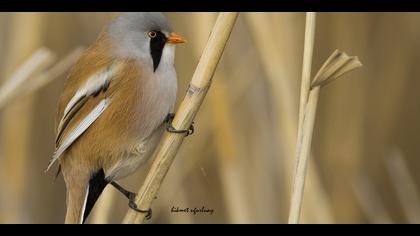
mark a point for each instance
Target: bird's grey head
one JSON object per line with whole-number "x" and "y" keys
{"x": 146, "y": 36}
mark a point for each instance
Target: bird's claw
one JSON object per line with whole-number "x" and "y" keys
{"x": 131, "y": 200}
{"x": 171, "y": 129}
{"x": 132, "y": 204}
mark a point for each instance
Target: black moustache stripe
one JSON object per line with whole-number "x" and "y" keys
{"x": 156, "y": 48}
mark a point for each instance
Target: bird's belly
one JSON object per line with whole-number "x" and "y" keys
{"x": 138, "y": 120}
{"x": 132, "y": 157}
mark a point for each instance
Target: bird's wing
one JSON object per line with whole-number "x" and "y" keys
{"x": 94, "y": 85}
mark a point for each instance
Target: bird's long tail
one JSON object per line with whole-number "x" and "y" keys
{"x": 80, "y": 201}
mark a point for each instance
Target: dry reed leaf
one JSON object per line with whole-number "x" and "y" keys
{"x": 336, "y": 65}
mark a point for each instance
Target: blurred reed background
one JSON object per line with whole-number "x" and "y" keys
{"x": 240, "y": 161}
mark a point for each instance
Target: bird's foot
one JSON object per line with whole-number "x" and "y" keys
{"x": 131, "y": 200}
{"x": 132, "y": 204}
{"x": 171, "y": 129}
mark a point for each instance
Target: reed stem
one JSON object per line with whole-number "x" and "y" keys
{"x": 335, "y": 66}
{"x": 296, "y": 204}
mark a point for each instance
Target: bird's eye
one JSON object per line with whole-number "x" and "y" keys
{"x": 152, "y": 34}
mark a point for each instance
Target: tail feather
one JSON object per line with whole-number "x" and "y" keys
{"x": 76, "y": 204}
{"x": 81, "y": 201}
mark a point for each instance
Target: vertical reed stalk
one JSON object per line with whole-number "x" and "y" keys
{"x": 297, "y": 189}
{"x": 303, "y": 156}
{"x": 189, "y": 107}
{"x": 336, "y": 65}
{"x": 285, "y": 99}
{"x": 310, "y": 26}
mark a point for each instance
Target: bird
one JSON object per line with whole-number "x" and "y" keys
{"x": 116, "y": 103}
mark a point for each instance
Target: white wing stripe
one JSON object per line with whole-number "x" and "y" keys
{"x": 81, "y": 127}
{"x": 91, "y": 86}
{"x": 82, "y": 213}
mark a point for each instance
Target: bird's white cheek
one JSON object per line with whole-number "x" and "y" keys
{"x": 168, "y": 55}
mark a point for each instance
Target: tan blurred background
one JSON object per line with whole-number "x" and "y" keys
{"x": 240, "y": 161}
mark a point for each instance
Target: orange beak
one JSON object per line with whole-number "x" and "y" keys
{"x": 175, "y": 39}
